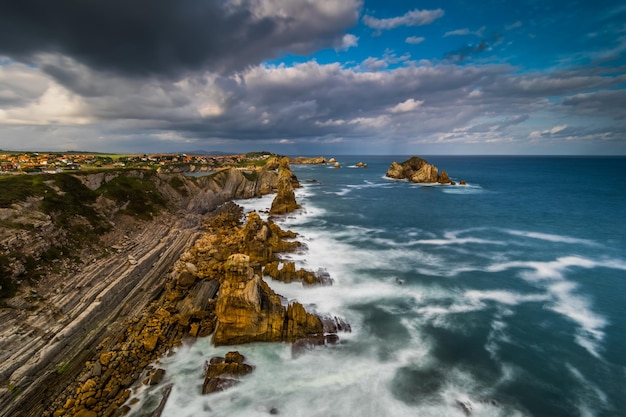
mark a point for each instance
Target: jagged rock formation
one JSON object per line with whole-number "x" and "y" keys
{"x": 287, "y": 272}
{"x": 52, "y": 324}
{"x": 249, "y": 311}
{"x": 224, "y": 372}
{"x": 419, "y": 171}
{"x": 285, "y": 200}
{"x": 75, "y": 347}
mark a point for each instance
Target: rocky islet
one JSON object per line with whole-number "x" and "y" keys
{"x": 418, "y": 170}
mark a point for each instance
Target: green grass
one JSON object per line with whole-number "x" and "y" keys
{"x": 142, "y": 196}
{"x": 179, "y": 185}
{"x": 16, "y": 188}
{"x": 70, "y": 204}
{"x": 251, "y": 176}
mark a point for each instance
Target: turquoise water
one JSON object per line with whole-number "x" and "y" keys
{"x": 507, "y": 295}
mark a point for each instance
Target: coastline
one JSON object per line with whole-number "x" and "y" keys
{"x": 174, "y": 311}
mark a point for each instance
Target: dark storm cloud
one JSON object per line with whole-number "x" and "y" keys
{"x": 610, "y": 103}
{"x": 165, "y": 37}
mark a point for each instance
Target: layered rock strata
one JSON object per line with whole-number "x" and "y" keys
{"x": 52, "y": 327}
{"x": 215, "y": 287}
{"x": 417, "y": 170}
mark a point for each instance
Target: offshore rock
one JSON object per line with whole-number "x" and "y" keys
{"x": 285, "y": 200}
{"x": 417, "y": 170}
{"x": 222, "y": 373}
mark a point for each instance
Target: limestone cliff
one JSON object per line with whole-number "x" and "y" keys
{"x": 419, "y": 171}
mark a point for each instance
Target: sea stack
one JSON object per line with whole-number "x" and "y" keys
{"x": 418, "y": 170}
{"x": 285, "y": 200}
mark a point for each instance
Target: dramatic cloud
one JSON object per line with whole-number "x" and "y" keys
{"x": 164, "y": 75}
{"x": 413, "y": 18}
{"x": 305, "y": 104}
{"x": 164, "y": 37}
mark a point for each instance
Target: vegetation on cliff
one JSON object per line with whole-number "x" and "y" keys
{"x": 52, "y": 217}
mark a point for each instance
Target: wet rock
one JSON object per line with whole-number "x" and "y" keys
{"x": 465, "y": 406}
{"x": 223, "y": 373}
{"x": 156, "y": 377}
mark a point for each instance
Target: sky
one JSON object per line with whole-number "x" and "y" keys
{"x": 314, "y": 77}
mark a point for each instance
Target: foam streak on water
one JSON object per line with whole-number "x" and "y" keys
{"x": 502, "y": 296}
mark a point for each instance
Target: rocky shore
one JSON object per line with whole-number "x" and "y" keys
{"x": 95, "y": 332}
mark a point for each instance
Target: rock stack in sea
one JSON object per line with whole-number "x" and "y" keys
{"x": 285, "y": 200}
{"x": 417, "y": 170}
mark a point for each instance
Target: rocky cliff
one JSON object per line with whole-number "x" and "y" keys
{"x": 74, "y": 341}
{"x": 81, "y": 253}
{"x": 419, "y": 171}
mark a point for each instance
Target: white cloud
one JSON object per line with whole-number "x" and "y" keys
{"x": 374, "y": 64}
{"x": 56, "y": 105}
{"x": 414, "y": 40}
{"x": 457, "y": 32}
{"x": 412, "y": 18}
{"x": 556, "y": 129}
{"x": 348, "y": 41}
{"x": 406, "y": 106}
{"x": 465, "y": 31}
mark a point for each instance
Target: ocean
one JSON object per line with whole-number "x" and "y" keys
{"x": 504, "y": 297}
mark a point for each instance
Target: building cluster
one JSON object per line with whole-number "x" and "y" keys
{"x": 165, "y": 159}
{"x": 57, "y": 162}
{"x": 33, "y": 161}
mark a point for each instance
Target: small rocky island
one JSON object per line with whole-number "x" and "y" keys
{"x": 418, "y": 170}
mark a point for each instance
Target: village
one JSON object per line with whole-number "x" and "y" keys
{"x": 53, "y": 162}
